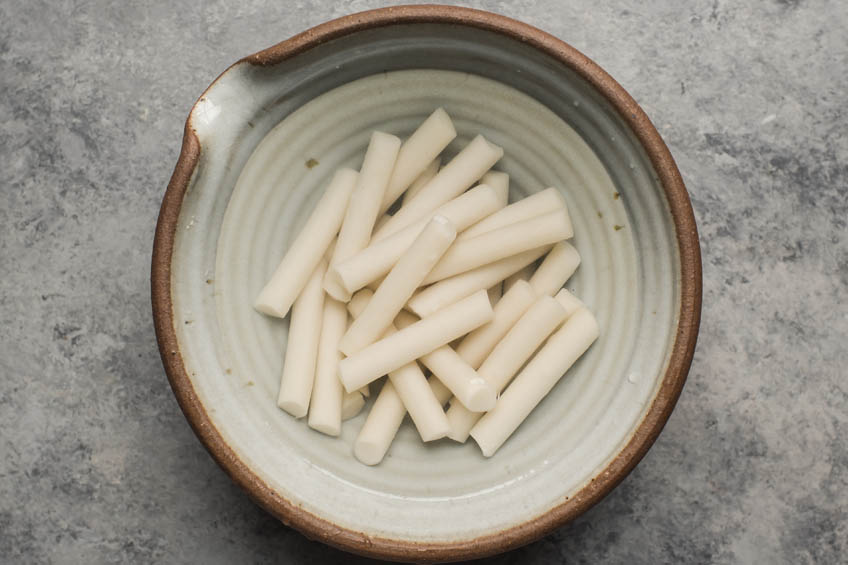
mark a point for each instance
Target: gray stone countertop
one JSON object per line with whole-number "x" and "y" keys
{"x": 97, "y": 463}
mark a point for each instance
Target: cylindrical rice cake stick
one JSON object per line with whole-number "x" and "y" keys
{"x": 305, "y": 253}
{"x": 537, "y": 204}
{"x": 384, "y": 420}
{"x": 558, "y": 266}
{"x": 411, "y": 385}
{"x": 365, "y": 201}
{"x": 477, "y": 345}
{"x": 568, "y": 301}
{"x": 456, "y": 374}
{"x": 420, "y": 338}
{"x": 497, "y": 179}
{"x": 501, "y": 189}
{"x": 536, "y": 380}
{"x": 501, "y": 243}
{"x": 399, "y": 284}
{"x": 302, "y": 347}
{"x": 450, "y": 290}
{"x": 417, "y": 152}
{"x": 522, "y": 275}
{"x": 378, "y": 258}
{"x": 381, "y": 426}
{"x": 517, "y": 346}
{"x": 424, "y": 408}
{"x": 425, "y": 177}
{"x": 467, "y": 167}
{"x": 325, "y": 406}
{"x": 352, "y": 404}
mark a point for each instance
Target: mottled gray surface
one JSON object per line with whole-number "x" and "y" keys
{"x": 97, "y": 463}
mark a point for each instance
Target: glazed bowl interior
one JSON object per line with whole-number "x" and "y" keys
{"x": 270, "y": 137}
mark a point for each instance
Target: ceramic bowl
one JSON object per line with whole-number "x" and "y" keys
{"x": 258, "y": 146}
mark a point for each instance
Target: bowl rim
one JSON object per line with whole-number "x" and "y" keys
{"x": 315, "y": 527}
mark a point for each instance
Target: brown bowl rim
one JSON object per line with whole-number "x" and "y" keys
{"x": 315, "y": 527}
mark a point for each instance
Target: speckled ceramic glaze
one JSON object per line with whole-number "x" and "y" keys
{"x": 260, "y": 145}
